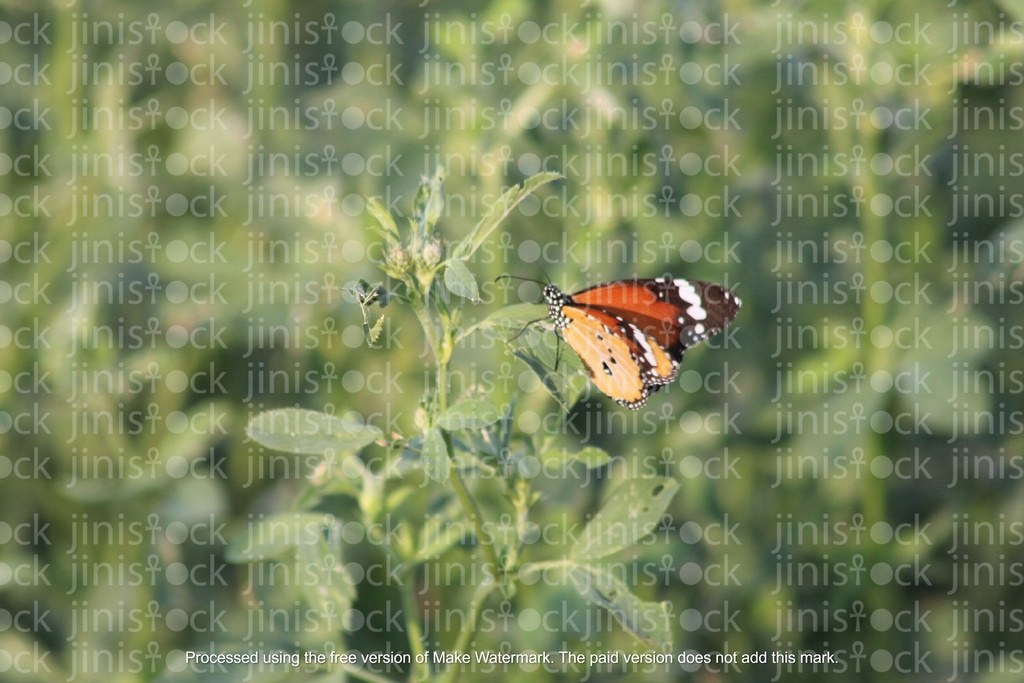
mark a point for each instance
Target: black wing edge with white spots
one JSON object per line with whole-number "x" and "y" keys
{"x": 706, "y": 308}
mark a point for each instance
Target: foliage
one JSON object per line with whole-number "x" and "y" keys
{"x": 870, "y": 386}
{"x": 451, "y": 442}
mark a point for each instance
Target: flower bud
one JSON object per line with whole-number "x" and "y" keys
{"x": 398, "y": 259}
{"x": 432, "y": 253}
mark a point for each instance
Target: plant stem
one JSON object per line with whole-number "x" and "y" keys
{"x": 441, "y": 345}
{"x": 469, "y": 506}
{"x": 442, "y": 386}
{"x": 428, "y": 327}
{"x": 476, "y": 606}
{"x": 493, "y": 564}
{"x": 875, "y": 314}
{"x": 418, "y": 672}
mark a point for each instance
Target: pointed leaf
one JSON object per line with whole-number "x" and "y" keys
{"x": 295, "y": 430}
{"x": 507, "y": 322}
{"x": 429, "y": 203}
{"x": 442, "y": 531}
{"x": 371, "y": 498}
{"x": 470, "y": 414}
{"x": 434, "y": 456}
{"x": 372, "y": 334}
{"x": 1015, "y": 8}
{"x": 459, "y": 280}
{"x": 632, "y": 511}
{"x": 273, "y": 535}
{"x": 592, "y": 457}
{"x": 501, "y": 208}
{"x": 565, "y": 384}
{"x": 395, "y": 499}
{"x": 386, "y": 228}
{"x": 648, "y": 622}
{"x": 330, "y": 587}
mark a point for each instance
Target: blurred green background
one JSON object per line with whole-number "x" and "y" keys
{"x": 183, "y": 208}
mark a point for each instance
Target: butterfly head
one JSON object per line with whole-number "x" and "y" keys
{"x": 553, "y": 295}
{"x": 557, "y": 299}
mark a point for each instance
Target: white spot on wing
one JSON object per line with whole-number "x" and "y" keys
{"x": 641, "y": 339}
{"x": 689, "y": 294}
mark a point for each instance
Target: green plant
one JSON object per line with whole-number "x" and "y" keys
{"x": 433, "y": 476}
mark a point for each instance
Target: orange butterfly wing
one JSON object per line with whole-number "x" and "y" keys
{"x": 677, "y": 314}
{"x": 611, "y": 357}
{"x": 631, "y": 334}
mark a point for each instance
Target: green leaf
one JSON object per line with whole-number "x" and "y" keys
{"x": 332, "y": 476}
{"x": 469, "y": 414}
{"x": 327, "y": 585}
{"x": 497, "y": 212}
{"x": 186, "y": 447}
{"x": 1015, "y": 8}
{"x": 459, "y": 280}
{"x": 329, "y": 582}
{"x": 294, "y": 430}
{"x": 632, "y": 511}
{"x": 372, "y": 333}
{"x": 371, "y": 498}
{"x": 434, "y": 456}
{"x": 565, "y": 382}
{"x": 313, "y": 494}
{"x": 648, "y": 622}
{"x": 508, "y": 321}
{"x": 591, "y": 457}
{"x": 925, "y": 380}
{"x": 387, "y": 228}
{"x": 442, "y": 531}
{"x": 396, "y": 498}
{"x": 429, "y": 203}
{"x": 275, "y": 534}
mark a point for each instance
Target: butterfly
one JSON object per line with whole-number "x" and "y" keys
{"x": 631, "y": 334}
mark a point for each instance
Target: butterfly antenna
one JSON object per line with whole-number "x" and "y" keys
{"x": 539, "y": 283}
